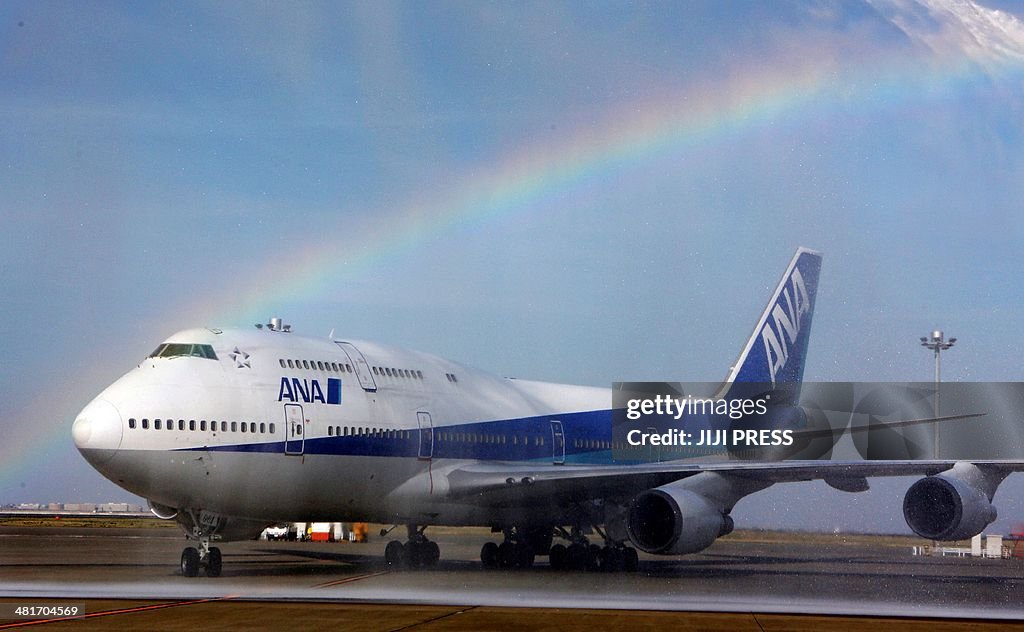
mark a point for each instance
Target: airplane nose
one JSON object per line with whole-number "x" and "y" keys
{"x": 97, "y": 431}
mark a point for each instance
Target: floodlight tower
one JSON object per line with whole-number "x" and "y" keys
{"x": 937, "y": 343}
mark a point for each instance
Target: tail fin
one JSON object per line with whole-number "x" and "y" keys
{"x": 773, "y": 357}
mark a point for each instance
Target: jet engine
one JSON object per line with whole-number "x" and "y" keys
{"x": 953, "y": 505}
{"x": 673, "y": 521}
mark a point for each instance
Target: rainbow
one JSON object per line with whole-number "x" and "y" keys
{"x": 519, "y": 184}
{"x": 524, "y": 180}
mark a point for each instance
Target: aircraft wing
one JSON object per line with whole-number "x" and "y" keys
{"x": 513, "y": 484}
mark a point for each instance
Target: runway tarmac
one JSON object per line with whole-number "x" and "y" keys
{"x": 820, "y": 575}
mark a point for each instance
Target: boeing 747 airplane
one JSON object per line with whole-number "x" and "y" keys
{"x": 229, "y": 430}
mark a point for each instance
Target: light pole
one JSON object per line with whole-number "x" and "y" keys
{"x": 937, "y": 343}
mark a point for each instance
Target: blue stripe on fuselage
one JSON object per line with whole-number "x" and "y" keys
{"x": 587, "y": 436}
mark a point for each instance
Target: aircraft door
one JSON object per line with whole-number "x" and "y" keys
{"x": 557, "y": 443}
{"x": 426, "y": 425}
{"x": 294, "y": 439}
{"x": 360, "y": 365}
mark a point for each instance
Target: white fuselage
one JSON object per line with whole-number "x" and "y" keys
{"x": 272, "y": 426}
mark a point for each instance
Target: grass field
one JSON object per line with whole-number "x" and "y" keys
{"x": 88, "y": 522}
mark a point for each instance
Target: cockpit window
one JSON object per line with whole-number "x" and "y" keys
{"x": 178, "y": 349}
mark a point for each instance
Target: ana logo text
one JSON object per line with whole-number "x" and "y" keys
{"x": 298, "y": 390}
{"x": 787, "y": 316}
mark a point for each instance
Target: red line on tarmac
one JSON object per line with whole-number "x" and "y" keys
{"x": 346, "y": 580}
{"x": 107, "y": 613}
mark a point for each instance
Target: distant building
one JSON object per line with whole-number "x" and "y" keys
{"x": 82, "y": 507}
{"x": 113, "y": 507}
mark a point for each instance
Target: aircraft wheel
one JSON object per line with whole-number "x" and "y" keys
{"x": 394, "y": 553}
{"x": 632, "y": 560}
{"x": 190, "y": 562}
{"x": 524, "y": 555}
{"x": 489, "y": 555}
{"x": 576, "y": 559}
{"x": 213, "y": 563}
{"x": 558, "y": 556}
{"x": 414, "y": 554}
{"x": 612, "y": 559}
{"x": 593, "y": 557}
{"x": 506, "y": 555}
{"x": 431, "y": 553}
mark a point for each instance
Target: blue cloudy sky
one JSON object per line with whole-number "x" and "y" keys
{"x": 565, "y": 191}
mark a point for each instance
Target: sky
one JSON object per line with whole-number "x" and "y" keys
{"x": 553, "y": 190}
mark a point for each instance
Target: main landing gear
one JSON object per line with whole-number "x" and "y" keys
{"x": 580, "y": 555}
{"x": 417, "y": 550}
{"x": 515, "y": 551}
{"x": 521, "y": 546}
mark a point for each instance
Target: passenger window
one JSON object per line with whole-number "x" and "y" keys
{"x": 263, "y": 427}
{"x": 272, "y": 428}
{"x": 234, "y": 426}
{"x": 290, "y": 365}
{"x": 282, "y": 363}
{"x": 191, "y": 424}
{"x": 202, "y": 425}
{"x": 330, "y": 431}
{"x": 145, "y": 424}
{"x": 245, "y": 427}
{"x": 156, "y": 424}
{"x": 131, "y": 423}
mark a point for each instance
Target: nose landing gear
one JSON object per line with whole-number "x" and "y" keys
{"x": 205, "y": 557}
